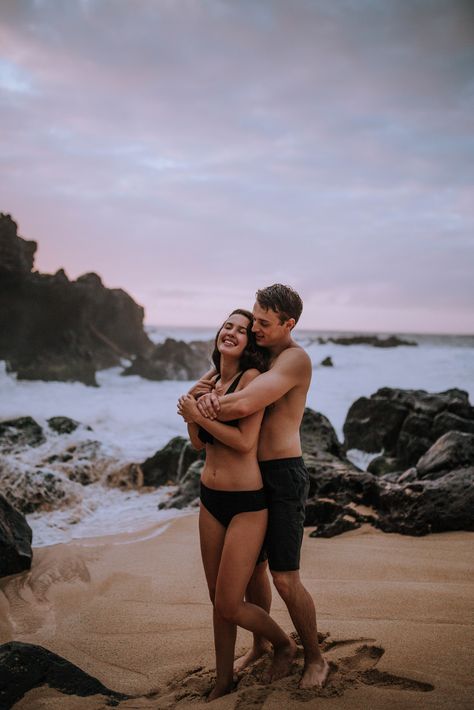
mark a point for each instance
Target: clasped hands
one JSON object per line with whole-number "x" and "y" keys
{"x": 201, "y": 399}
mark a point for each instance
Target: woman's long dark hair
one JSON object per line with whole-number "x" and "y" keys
{"x": 252, "y": 356}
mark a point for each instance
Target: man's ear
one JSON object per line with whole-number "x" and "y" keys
{"x": 290, "y": 323}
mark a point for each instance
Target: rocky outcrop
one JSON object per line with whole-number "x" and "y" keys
{"x": 24, "y": 666}
{"x": 52, "y": 328}
{"x": 170, "y": 463}
{"x": 392, "y": 341}
{"x": 327, "y": 362}
{"x": 18, "y": 433}
{"x": 15, "y": 540}
{"x": 403, "y": 424}
{"x": 171, "y": 360}
{"x": 45, "y": 469}
{"x": 187, "y": 493}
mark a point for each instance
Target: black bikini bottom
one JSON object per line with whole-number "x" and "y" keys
{"x": 223, "y": 505}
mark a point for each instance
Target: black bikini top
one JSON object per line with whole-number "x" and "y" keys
{"x": 204, "y": 435}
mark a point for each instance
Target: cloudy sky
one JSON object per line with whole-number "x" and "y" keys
{"x": 192, "y": 151}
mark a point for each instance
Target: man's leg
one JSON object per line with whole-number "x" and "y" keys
{"x": 303, "y": 615}
{"x": 258, "y": 592}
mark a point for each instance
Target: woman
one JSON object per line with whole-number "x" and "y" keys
{"x": 233, "y": 511}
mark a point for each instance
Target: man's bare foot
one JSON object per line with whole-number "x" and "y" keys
{"x": 282, "y": 659}
{"x": 218, "y": 691}
{"x": 250, "y": 657}
{"x": 315, "y": 674}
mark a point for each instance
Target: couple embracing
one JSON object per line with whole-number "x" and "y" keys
{"x": 246, "y": 411}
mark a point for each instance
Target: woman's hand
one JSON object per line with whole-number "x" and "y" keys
{"x": 202, "y": 386}
{"x": 187, "y": 408}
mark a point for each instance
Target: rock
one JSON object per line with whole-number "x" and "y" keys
{"x": 405, "y": 423}
{"x": 381, "y": 465}
{"x": 188, "y": 491}
{"x": 169, "y": 464}
{"x": 450, "y": 451}
{"x": 374, "y": 424}
{"x": 425, "y": 506}
{"x": 18, "y": 433}
{"x": 171, "y": 360}
{"x": 24, "y": 666}
{"x": 327, "y": 362}
{"x": 28, "y": 489}
{"x": 64, "y": 425}
{"x": 317, "y": 434}
{"x": 128, "y": 477}
{"x": 55, "y": 329}
{"x": 15, "y": 541}
{"x": 447, "y": 421}
{"x": 16, "y": 254}
{"x": 415, "y": 437}
{"x": 392, "y": 341}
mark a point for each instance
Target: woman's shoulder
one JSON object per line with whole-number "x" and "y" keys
{"x": 248, "y": 376}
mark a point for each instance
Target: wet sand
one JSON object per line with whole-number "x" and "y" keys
{"x": 396, "y": 615}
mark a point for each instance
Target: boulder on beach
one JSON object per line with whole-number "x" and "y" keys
{"x": 52, "y": 328}
{"x": 15, "y": 540}
{"x": 404, "y": 423}
{"x": 169, "y": 464}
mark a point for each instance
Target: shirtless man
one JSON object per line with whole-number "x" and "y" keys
{"x": 284, "y": 387}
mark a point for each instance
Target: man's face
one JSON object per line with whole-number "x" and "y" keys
{"x": 267, "y": 327}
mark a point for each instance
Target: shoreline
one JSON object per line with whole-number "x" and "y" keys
{"x": 133, "y": 612}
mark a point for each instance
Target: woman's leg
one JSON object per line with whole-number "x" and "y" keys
{"x": 212, "y": 537}
{"x": 242, "y": 544}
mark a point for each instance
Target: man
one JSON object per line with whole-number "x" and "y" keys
{"x": 283, "y": 391}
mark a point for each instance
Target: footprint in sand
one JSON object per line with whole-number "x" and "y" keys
{"x": 352, "y": 661}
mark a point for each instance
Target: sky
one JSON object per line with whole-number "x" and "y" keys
{"x": 193, "y": 151}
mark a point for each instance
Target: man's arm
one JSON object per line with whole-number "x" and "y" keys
{"x": 292, "y": 366}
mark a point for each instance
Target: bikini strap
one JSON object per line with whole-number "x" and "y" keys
{"x": 234, "y": 384}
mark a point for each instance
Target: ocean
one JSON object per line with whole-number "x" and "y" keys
{"x": 133, "y": 417}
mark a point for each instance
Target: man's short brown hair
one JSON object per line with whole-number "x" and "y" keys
{"x": 281, "y": 299}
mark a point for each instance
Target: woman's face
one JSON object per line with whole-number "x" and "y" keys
{"x": 233, "y": 338}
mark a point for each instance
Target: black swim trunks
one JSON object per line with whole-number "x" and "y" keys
{"x": 223, "y": 505}
{"x": 286, "y": 483}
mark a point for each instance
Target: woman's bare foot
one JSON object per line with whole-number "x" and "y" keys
{"x": 250, "y": 657}
{"x": 218, "y": 691}
{"x": 315, "y": 674}
{"x": 282, "y": 659}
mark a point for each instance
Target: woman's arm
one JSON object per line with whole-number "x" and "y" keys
{"x": 204, "y": 385}
{"x": 194, "y": 436}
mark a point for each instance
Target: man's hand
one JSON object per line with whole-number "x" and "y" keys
{"x": 209, "y": 405}
{"x": 202, "y": 386}
{"x": 187, "y": 408}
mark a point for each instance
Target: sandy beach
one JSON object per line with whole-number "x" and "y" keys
{"x": 132, "y": 611}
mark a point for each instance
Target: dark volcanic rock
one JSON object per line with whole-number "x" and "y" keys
{"x": 452, "y": 450}
{"x": 405, "y": 423}
{"x": 15, "y": 541}
{"x": 24, "y": 666}
{"x": 64, "y": 425}
{"x": 18, "y": 433}
{"x": 170, "y": 463}
{"x": 381, "y": 465}
{"x": 317, "y": 434}
{"x": 172, "y": 360}
{"x": 391, "y": 342}
{"x": 55, "y": 329}
{"x": 188, "y": 491}
{"x": 16, "y": 254}
{"x": 374, "y": 424}
{"x": 327, "y": 362}
{"x": 425, "y": 506}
